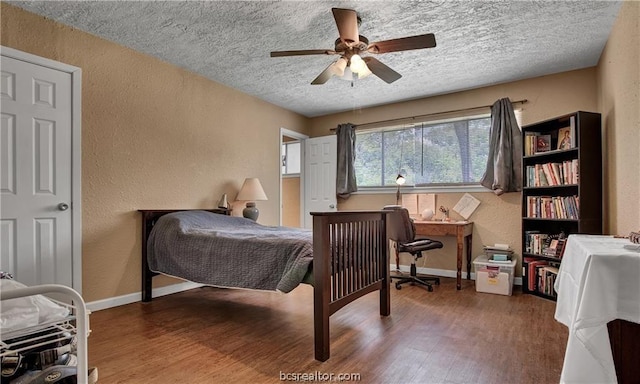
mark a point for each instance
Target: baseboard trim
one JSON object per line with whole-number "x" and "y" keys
{"x": 445, "y": 273}
{"x": 134, "y": 297}
{"x": 175, "y": 288}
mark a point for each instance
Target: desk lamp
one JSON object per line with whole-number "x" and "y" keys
{"x": 400, "y": 180}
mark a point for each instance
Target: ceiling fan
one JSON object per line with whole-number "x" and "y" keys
{"x": 350, "y": 45}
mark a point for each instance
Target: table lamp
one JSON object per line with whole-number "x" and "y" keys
{"x": 251, "y": 191}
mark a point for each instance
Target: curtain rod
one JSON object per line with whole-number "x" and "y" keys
{"x": 523, "y": 101}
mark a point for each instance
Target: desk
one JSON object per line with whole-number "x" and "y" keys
{"x": 463, "y": 231}
{"x": 596, "y": 284}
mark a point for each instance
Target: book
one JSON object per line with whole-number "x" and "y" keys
{"x": 531, "y": 271}
{"x": 552, "y": 248}
{"x": 498, "y": 252}
{"x": 530, "y": 143}
{"x": 560, "y": 247}
{"x": 466, "y": 205}
{"x": 548, "y": 172}
{"x": 528, "y": 246}
{"x": 498, "y": 247}
{"x": 500, "y": 261}
{"x": 557, "y": 173}
{"x": 546, "y": 279}
{"x": 543, "y": 143}
{"x": 543, "y": 181}
{"x": 500, "y": 257}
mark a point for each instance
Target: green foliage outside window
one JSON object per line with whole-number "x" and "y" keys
{"x": 449, "y": 153}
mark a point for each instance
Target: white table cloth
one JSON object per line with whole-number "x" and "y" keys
{"x": 598, "y": 281}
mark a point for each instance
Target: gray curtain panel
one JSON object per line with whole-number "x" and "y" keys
{"x": 346, "y": 176}
{"x": 504, "y": 165}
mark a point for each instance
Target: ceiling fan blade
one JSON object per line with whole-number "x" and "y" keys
{"x": 324, "y": 76}
{"x": 403, "y": 44}
{"x": 303, "y": 52}
{"x": 347, "y": 22}
{"x": 381, "y": 70}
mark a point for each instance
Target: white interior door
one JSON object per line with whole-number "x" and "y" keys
{"x": 320, "y": 176}
{"x": 36, "y": 173}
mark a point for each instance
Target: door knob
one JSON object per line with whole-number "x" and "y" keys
{"x": 63, "y": 206}
{"x": 331, "y": 206}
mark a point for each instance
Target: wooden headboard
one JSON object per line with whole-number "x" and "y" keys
{"x": 149, "y": 218}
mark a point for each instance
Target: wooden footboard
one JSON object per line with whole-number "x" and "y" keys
{"x": 350, "y": 260}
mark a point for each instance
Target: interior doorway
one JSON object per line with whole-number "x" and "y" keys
{"x": 291, "y": 178}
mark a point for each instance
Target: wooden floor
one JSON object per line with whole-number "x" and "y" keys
{"x": 210, "y": 335}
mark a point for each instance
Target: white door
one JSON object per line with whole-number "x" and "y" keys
{"x": 36, "y": 173}
{"x": 320, "y": 176}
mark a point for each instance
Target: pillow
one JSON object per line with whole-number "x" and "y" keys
{"x": 28, "y": 311}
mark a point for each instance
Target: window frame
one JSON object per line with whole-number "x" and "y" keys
{"x": 432, "y": 188}
{"x": 285, "y": 155}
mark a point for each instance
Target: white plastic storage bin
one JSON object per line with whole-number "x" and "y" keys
{"x": 494, "y": 277}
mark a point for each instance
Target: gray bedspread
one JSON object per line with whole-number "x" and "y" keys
{"x": 228, "y": 251}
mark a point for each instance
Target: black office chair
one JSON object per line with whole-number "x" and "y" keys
{"x": 402, "y": 231}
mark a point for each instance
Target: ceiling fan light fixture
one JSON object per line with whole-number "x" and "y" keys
{"x": 350, "y": 43}
{"x": 339, "y": 67}
{"x": 348, "y": 75}
{"x": 357, "y": 64}
{"x": 364, "y": 72}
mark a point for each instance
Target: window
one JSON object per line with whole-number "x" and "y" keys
{"x": 444, "y": 153}
{"x": 291, "y": 158}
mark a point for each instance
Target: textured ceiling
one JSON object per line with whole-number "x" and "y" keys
{"x": 478, "y": 43}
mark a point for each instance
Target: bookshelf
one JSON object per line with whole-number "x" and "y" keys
{"x": 562, "y": 193}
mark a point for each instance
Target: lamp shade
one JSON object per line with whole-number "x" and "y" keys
{"x": 251, "y": 190}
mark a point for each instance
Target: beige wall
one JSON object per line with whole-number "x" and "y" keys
{"x": 548, "y": 96}
{"x": 156, "y": 136}
{"x": 498, "y": 218}
{"x": 619, "y": 83}
{"x": 153, "y": 136}
{"x": 291, "y": 202}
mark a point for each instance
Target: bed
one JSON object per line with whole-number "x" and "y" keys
{"x": 345, "y": 257}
